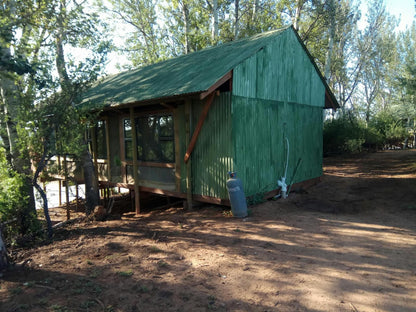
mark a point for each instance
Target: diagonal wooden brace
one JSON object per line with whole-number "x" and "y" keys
{"x": 198, "y": 128}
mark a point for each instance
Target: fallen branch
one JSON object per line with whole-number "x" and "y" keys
{"x": 100, "y": 303}
{"x": 63, "y": 223}
{"x": 353, "y": 307}
{"x": 43, "y": 286}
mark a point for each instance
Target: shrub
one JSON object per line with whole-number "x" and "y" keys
{"x": 13, "y": 203}
{"x": 343, "y": 135}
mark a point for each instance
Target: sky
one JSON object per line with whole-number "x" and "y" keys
{"x": 403, "y": 9}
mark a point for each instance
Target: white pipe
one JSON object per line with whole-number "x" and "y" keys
{"x": 287, "y": 157}
{"x": 282, "y": 181}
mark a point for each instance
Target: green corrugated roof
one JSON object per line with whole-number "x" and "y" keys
{"x": 190, "y": 73}
{"x": 187, "y": 74}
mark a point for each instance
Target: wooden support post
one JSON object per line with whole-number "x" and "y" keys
{"x": 77, "y": 196}
{"x": 60, "y": 192}
{"x": 188, "y": 117}
{"x": 107, "y": 141}
{"x": 94, "y": 150}
{"x": 131, "y": 199}
{"x": 68, "y": 214}
{"x": 198, "y": 127}
{"x": 59, "y": 182}
{"x": 178, "y": 157}
{"x": 135, "y": 162}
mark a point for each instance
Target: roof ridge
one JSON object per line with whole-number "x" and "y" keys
{"x": 210, "y": 48}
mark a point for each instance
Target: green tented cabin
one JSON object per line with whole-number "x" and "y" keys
{"x": 178, "y": 127}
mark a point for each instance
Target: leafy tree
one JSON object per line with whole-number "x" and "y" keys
{"x": 145, "y": 45}
{"x": 343, "y": 64}
{"x": 37, "y": 102}
{"x": 405, "y": 107}
{"x": 14, "y": 64}
{"x": 377, "y": 47}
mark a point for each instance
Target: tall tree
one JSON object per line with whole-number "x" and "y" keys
{"x": 14, "y": 64}
{"x": 405, "y": 106}
{"x": 145, "y": 44}
{"x": 29, "y": 67}
{"x": 377, "y": 48}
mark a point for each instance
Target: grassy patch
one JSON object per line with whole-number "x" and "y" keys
{"x": 154, "y": 249}
{"x": 162, "y": 264}
{"x": 125, "y": 273}
{"x": 59, "y": 308}
{"x": 16, "y": 291}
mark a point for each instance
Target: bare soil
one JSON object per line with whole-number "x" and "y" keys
{"x": 346, "y": 244}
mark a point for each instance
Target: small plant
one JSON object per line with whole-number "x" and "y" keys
{"x": 154, "y": 249}
{"x": 22, "y": 307}
{"x": 28, "y": 284}
{"x": 255, "y": 199}
{"x": 109, "y": 308}
{"x": 211, "y": 298}
{"x": 411, "y": 207}
{"x": 185, "y": 296}
{"x": 89, "y": 262}
{"x": 58, "y": 308}
{"x": 125, "y": 273}
{"x": 162, "y": 264}
{"x": 94, "y": 273}
{"x": 43, "y": 302}
{"x": 77, "y": 291}
{"x": 87, "y": 304}
{"x": 144, "y": 289}
{"x": 16, "y": 291}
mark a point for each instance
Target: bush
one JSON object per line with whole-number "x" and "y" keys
{"x": 349, "y": 135}
{"x": 13, "y": 203}
{"x": 392, "y": 130}
{"x": 343, "y": 135}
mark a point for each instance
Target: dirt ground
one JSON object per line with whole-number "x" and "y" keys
{"x": 346, "y": 244}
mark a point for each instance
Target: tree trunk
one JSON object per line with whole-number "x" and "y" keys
{"x": 91, "y": 181}
{"x": 236, "y": 18}
{"x": 41, "y": 165}
{"x": 185, "y": 15}
{"x": 255, "y": 10}
{"x": 92, "y": 193}
{"x": 60, "y": 55}
{"x": 328, "y": 58}
{"x": 299, "y": 5}
{"x": 4, "y": 259}
{"x": 214, "y": 31}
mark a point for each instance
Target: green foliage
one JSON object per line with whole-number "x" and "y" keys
{"x": 13, "y": 202}
{"x": 350, "y": 135}
{"x": 125, "y": 273}
{"x": 343, "y": 135}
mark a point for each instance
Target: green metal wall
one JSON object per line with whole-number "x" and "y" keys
{"x": 277, "y": 94}
{"x": 260, "y": 144}
{"x": 212, "y": 157}
{"x": 281, "y": 71}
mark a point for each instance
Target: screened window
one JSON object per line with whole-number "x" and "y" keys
{"x": 155, "y": 138}
{"x": 100, "y": 139}
{"x": 128, "y": 143}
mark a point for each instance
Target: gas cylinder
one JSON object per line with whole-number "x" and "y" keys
{"x": 236, "y": 196}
